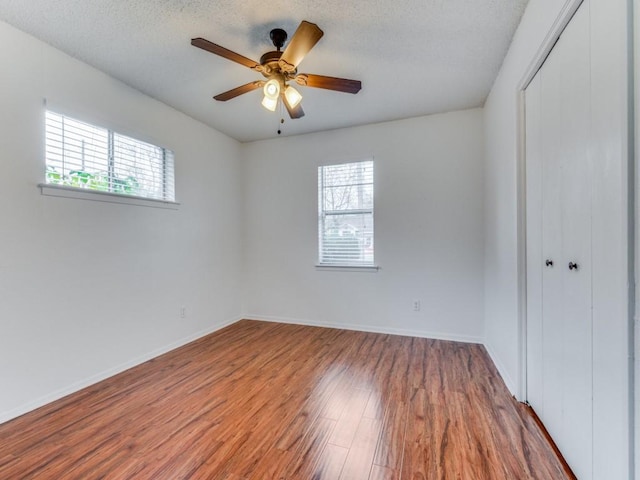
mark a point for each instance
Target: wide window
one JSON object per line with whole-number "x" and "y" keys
{"x": 345, "y": 214}
{"x": 89, "y": 157}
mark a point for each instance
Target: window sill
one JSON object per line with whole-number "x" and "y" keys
{"x": 348, "y": 268}
{"x": 98, "y": 196}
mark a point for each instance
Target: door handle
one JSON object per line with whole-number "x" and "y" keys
{"x": 549, "y": 263}
{"x": 573, "y": 266}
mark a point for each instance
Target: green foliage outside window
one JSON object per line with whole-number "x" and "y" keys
{"x": 93, "y": 181}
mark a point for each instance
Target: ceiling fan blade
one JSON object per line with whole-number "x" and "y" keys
{"x": 223, "y": 97}
{"x": 294, "y": 112}
{"x": 303, "y": 40}
{"x": 329, "y": 83}
{"x": 223, "y": 52}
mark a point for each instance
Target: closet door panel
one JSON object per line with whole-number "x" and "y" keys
{"x": 552, "y": 295}
{"x": 576, "y": 439}
{"x": 535, "y": 260}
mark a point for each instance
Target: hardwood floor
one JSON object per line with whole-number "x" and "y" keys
{"x": 261, "y": 401}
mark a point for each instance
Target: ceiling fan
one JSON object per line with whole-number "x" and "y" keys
{"x": 281, "y": 67}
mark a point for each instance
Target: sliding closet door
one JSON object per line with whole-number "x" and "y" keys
{"x": 559, "y": 368}
{"x": 578, "y": 280}
{"x": 575, "y": 260}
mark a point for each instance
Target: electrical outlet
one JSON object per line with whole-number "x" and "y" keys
{"x": 416, "y": 305}
{"x": 183, "y": 311}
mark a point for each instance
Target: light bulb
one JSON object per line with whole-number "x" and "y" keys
{"x": 270, "y": 103}
{"x": 293, "y": 96}
{"x": 272, "y": 89}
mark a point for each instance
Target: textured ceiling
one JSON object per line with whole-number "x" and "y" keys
{"x": 414, "y": 57}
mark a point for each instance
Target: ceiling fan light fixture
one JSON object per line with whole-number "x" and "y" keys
{"x": 293, "y": 96}
{"x": 271, "y": 94}
{"x": 272, "y": 89}
{"x": 270, "y": 103}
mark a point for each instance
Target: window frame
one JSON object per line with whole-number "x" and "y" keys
{"x": 324, "y": 213}
{"x": 164, "y": 162}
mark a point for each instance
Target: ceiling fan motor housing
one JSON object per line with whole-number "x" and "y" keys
{"x": 271, "y": 66}
{"x": 278, "y": 37}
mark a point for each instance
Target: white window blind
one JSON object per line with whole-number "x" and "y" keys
{"x": 86, "y": 156}
{"x": 345, "y": 214}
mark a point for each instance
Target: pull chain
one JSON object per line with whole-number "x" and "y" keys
{"x": 281, "y": 117}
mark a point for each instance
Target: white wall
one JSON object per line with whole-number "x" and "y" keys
{"x": 88, "y": 288}
{"x": 428, "y": 228}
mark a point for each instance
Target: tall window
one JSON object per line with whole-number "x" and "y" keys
{"x": 85, "y": 156}
{"x": 345, "y": 214}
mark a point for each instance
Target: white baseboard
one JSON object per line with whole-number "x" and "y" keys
{"x": 76, "y": 386}
{"x": 506, "y": 378}
{"x": 369, "y": 328}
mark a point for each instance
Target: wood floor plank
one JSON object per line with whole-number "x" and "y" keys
{"x": 420, "y": 445}
{"x": 308, "y": 453}
{"x": 374, "y": 408}
{"x": 363, "y": 448}
{"x": 383, "y": 473}
{"x": 331, "y": 463}
{"x": 261, "y": 401}
{"x": 355, "y": 400}
{"x": 391, "y": 445}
